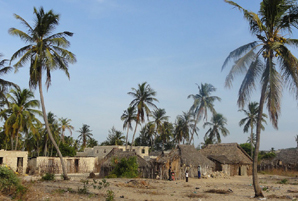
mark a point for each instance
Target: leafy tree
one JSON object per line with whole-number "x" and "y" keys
{"x": 143, "y": 98}
{"x": 277, "y": 68}
{"x": 251, "y": 120}
{"x": 115, "y": 137}
{"x": 126, "y": 167}
{"x": 85, "y": 134}
{"x": 128, "y": 117}
{"x": 45, "y": 52}
{"x": 203, "y": 101}
{"x": 247, "y": 148}
{"x": 145, "y": 137}
{"x": 91, "y": 142}
{"x": 217, "y": 127}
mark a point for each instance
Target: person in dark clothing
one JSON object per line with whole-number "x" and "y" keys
{"x": 186, "y": 175}
{"x": 199, "y": 172}
{"x": 170, "y": 174}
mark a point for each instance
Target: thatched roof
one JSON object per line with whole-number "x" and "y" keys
{"x": 188, "y": 155}
{"x": 226, "y": 153}
{"x": 119, "y": 154}
{"x": 287, "y": 156}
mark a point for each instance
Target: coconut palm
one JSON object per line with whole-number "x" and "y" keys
{"x": 217, "y": 127}
{"x": 115, "y": 137}
{"x": 143, "y": 98}
{"x": 64, "y": 123}
{"x": 45, "y": 52}
{"x": 21, "y": 110}
{"x": 4, "y": 84}
{"x": 203, "y": 101}
{"x": 251, "y": 120}
{"x": 129, "y": 115}
{"x": 85, "y": 134}
{"x": 165, "y": 132}
{"x": 296, "y": 139}
{"x": 268, "y": 61}
{"x": 184, "y": 124}
{"x": 159, "y": 118}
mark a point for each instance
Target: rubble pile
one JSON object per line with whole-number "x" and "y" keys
{"x": 219, "y": 175}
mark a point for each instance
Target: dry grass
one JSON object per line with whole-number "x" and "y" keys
{"x": 286, "y": 197}
{"x": 188, "y": 185}
{"x": 136, "y": 184}
{"x": 151, "y": 192}
{"x": 218, "y": 191}
{"x": 195, "y": 195}
{"x": 289, "y": 173}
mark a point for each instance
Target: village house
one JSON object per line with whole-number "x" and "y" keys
{"x": 229, "y": 158}
{"x": 184, "y": 157}
{"x": 107, "y": 164}
{"x": 102, "y": 151}
{"x": 16, "y": 160}
{"x": 43, "y": 164}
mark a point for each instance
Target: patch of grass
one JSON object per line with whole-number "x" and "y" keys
{"x": 283, "y": 181}
{"x": 195, "y": 195}
{"x": 278, "y": 196}
{"x": 110, "y": 196}
{"x": 48, "y": 177}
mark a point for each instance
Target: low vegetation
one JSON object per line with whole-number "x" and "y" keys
{"x": 126, "y": 167}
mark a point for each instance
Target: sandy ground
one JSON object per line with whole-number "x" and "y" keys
{"x": 237, "y": 188}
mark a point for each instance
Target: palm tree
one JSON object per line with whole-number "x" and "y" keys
{"x": 274, "y": 21}
{"x": 45, "y": 52}
{"x": 65, "y": 124}
{"x": 21, "y": 113}
{"x": 166, "y": 132}
{"x": 203, "y": 101}
{"x": 217, "y": 127}
{"x": 128, "y": 117}
{"x": 4, "y": 83}
{"x": 143, "y": 98}
{"x": 184, "y": 123}
{"x": 85, "y": 134}
{"x": 115, "y": 137}
{"x": 159, "y": 118}
{"x": 296, "y": 139}
{"x": 251, "y": 120}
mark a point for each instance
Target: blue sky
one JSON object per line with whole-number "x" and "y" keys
{"x": 172, "y": 45}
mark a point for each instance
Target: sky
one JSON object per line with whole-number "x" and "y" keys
{"x": 171, "y": 45}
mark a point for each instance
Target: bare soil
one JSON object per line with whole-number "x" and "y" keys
{"x": 234, "y": 188}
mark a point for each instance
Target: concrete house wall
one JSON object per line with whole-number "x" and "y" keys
{"x": 41, "y": 165}
{"x": 17, "y": 160}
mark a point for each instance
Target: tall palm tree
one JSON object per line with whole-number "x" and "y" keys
{"x": 143, "y": 98}
{"x": 203, "y": 101}
{"x": 251, "y": 120}
{"x": 85, "y": 134}
{"x": 159, "y": 118}
{"x": 4, "y": 83}
{"x": 45, "y": 52}
{"x": 21, "y": 110}
{"x": 64, "y": 123}
{"x": 268, "y": 61}
{"x": 217, "y": 127}
{"x": 129, "y": 115}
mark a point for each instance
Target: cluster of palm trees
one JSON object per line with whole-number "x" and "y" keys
{"x": 158, "y": 132}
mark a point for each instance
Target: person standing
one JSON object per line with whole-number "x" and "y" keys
{"x": 199, "y": 172}
{"x": 186, "y": 175}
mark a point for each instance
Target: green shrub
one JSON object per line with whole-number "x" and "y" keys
{"x": 48, "y": 177}
{"x": 9, "y": 182}
{"x": 127, "y": 167}
{"x": 110, "y": 195}
{"x": 283, "y": 181}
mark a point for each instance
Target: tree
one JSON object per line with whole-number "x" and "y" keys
{"x": 276, "y": 70}
{"x": 4, "y": 83}
{"x": 45, "y": 52}
{"x": 159, "y": 118}
{"x": 183, "y": 125}
{"x": 166, "y": 132}
{"x": 128, "y": 117}
{"x": 21, "y": 113}
{"x": 115, "y": 137}
{"x": 296, "y": 139}
{"x": 143, "y": 98}
{"x": 146, "y": 135}
{"x": 251, "y": 120}
{"x": 217, "y": 127}
{"x": 85, "y": 134}
{"x": 203, "y": 101}
{"x": 64, "y": 124}
{"x": 91, "y": 142}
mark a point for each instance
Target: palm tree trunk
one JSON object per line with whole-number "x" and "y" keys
{"x": 251, "y": 139}
{"x": 45, "y": 147}
{"x": 17, "y": 139}
{"x": 49, "y": 130}
{"x": 133, "y": 137}
{"x": 258, "y": 191}
{"x": 11, "y": 141}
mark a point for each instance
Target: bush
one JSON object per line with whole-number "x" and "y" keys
{"x": 9, "y": 182}
{"x": 48, "y": 177}
{"x": 127, "y": 167}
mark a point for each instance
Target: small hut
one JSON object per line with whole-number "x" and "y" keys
{"x": 229, "y": 158}
{"x": 286, "y": 159}
{"x": 184, "y": 157}
{"x": 106, "y": 164}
